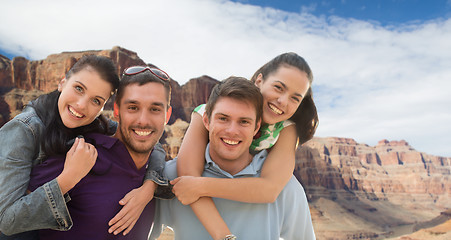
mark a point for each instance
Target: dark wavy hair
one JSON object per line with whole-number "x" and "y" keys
{"x": 55, "y": 136}
{"x": 306, "y": 116}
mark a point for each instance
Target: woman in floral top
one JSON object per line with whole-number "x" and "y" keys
{"x": 289, "y": 119}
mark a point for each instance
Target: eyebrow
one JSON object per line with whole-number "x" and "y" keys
{"x": 242, "y": 118}
{"x": 159, "y": 104}
{"x": 84, "y": 86}
{"x": 285, "y": 86}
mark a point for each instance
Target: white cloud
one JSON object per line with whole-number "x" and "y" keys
{"x": 371, "y": 82}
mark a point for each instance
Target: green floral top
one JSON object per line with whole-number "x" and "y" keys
{"x": 266, "y": 137}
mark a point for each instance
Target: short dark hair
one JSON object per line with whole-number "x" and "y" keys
{"x": 306, "y": 116}
{"x": 237, "y": 88}
{"x": 141, "y": 79}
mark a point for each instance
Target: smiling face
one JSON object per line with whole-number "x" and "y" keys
{"x": 283, "y": 91}
{"x": 82, "y": 98}
{"x": 231, "y": 127}
{"x": 142, "y": 116}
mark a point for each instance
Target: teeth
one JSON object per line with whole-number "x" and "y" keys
{"x": 73, "y": 112}
{"x": 143, "y": 133}
{"x": 275, "y": 109}
{"x": 231, "y": 142}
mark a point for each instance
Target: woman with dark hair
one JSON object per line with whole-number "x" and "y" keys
{"x": 289, "y": 118}
{"x": 50, "y": 126}
{"x": 305, "y": 117}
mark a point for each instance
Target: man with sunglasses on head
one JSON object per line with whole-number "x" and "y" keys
{"x": 142, "y": 108}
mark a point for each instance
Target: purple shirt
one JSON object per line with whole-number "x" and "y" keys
{"x": 95, "y": 199}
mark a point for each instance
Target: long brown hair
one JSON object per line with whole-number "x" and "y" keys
{"x": 306, "y": 116}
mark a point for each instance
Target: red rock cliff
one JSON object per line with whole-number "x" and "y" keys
{"x": 19, "y": 76}
{"x": 354, "y": 190}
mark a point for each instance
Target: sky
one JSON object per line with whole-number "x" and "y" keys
{"x": 381, "y": 68}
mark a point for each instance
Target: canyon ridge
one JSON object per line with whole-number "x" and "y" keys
{"x": 355, "y": 191}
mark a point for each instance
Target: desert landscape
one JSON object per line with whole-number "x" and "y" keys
{"x": 355, "y": 191}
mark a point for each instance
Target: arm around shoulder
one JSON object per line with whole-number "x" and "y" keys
{"x": 276, "y": 172}
{"x": 191, "y": 156}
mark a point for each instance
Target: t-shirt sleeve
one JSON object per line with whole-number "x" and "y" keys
{"x": 200, "y": 109}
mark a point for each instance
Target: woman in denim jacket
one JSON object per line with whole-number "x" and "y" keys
{"x": 45, "y": 128}
{"x": 48, "y": 126}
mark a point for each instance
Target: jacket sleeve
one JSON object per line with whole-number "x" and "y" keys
{"x": 156, "y": 174}
{"x": 43, "y": 208}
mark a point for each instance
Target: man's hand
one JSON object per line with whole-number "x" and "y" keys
{"x": 134, "y": 203}
{"x": 187, "y": 189}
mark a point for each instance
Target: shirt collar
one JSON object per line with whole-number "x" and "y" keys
{"x": 253, "y": 168}
{"x": 101, "y": 139}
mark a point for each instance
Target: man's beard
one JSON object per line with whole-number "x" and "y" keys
{"x": 126, "y": 139}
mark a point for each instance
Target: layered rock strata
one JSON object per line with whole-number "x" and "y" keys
{"x": 378, "y": 188}
{"x": 22, "y": 80}
{"x": 355, "y": 191}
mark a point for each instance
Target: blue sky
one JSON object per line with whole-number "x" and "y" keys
{"x": 7, "y": 53}
{"x": 383, "y": 12}
{"x": 386, "y": 12}
{"x": 381, "y": 68}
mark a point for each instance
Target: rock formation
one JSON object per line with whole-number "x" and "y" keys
{"x": 44, "y": 75}
{"x": 185, "y": 98}
{"x": 355, "y": 191}
{"x": 437, "y": 229}
{"x": 376, "y": 189}
{"x": 22, "y": 75}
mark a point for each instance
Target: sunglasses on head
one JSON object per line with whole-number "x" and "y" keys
{"x": 139, "y": 69}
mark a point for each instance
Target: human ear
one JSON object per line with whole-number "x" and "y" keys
{"x": 61, "y": 84}
{"x": 257, "y": 126}
{"x": 168, "y": 115}
{"x": 206, "y": 121}
{"x": 116, "y": 111}
{"x": 259, "y": 80}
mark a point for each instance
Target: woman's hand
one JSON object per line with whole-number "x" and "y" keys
{"x": 134, "y": 203}
{"x": 187, "y": 189}
{"x": 79, "y": 161}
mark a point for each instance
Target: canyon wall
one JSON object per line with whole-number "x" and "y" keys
{"x": 355, "y": 191}
{"x": 22, "y": 80}
{"x": 359, "y": 191}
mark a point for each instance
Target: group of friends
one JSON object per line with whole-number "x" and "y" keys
{"x": 68, "y": 172}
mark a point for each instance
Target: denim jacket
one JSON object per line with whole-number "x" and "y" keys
{"x": 46, "y": 206}
{"x": 19, "y": 151}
